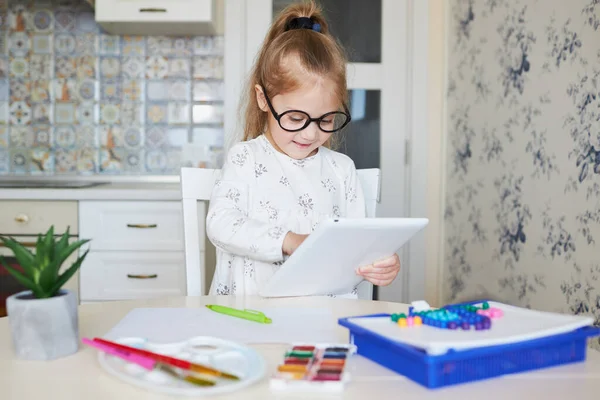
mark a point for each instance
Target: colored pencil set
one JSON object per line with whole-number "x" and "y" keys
{"x": 193, "y": 373}
{"x": 313, "y": 367}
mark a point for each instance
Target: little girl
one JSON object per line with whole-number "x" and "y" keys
{"x": 283, "y": 179}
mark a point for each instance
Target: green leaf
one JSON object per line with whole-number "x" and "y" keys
{"x": 68, "y": 274}
{"x": 42, "y": 269}
{"x": 56, "y": 261}
{"x": 23, "y": 255}
{"x": 62, "y": 243}
{"x": 47, "y": 267}
{"x": 49, "y": 243}
{"x": 23, "y": 280}
{"x": 47, "y": 277}
{"x": 62, "y": 251}
{"x": 50, "y": 274}
{"x": 43, "y": 248}
{"x": 65, "y": 253}
{"x": 39, "y": 255}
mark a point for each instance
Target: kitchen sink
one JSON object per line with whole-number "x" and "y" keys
{"x": 30, "y": 184}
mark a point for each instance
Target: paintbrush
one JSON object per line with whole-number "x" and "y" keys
{"x": 172, "y": 361}
{"x": 148, "y": 363}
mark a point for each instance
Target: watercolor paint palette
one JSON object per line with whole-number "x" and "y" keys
{"x": 314, "y": 367}
{"x": 240, "y": 360}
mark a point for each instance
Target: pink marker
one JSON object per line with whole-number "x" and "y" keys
{"x": 144, "y": 362}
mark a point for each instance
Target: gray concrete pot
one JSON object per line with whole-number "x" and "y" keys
{"x": 43, "y": 329}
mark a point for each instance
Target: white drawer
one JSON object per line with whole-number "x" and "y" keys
{"x": 132, "y": 275}
{"x": 132, "y": 225}
{"x": 35, "y": 217}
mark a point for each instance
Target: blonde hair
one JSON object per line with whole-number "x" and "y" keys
{"x": 316, "y": 53}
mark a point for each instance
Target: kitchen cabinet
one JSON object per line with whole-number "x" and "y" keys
{"x": 24, "y": 221}
{"x": 159, "y": 17}
{"x": 120, "y": 275}
{"x": 136, "y": 249}
{"x": 30, "y": 218}
{"x": 132, "y": 225}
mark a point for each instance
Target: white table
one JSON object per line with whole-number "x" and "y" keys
{"x": 80, "y": 376}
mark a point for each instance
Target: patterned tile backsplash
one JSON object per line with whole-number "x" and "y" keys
{"x": 76, "y": 100}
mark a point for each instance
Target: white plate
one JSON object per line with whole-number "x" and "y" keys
{"x": 224, "y": 355}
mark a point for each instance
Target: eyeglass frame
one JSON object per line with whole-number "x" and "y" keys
{"x": 309, "y": 120}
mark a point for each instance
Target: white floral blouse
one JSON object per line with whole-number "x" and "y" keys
{"x": 263, "y": 194}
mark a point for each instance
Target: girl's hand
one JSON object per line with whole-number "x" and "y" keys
{"x": 291, "y": 242}
{"x": 382, "y": 272}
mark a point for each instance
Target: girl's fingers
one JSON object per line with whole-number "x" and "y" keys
{"x": 380, "y": 276}
{"x": 392, "y": 260}
{"x": 368, "y": 269}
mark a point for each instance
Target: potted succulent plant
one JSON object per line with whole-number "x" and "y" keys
{"x": 43, "y": 320}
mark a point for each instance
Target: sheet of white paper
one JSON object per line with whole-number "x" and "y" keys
{"x": 167, "y": 325}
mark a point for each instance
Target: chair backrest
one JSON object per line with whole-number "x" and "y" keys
{"x": 370, "y": 181}
{"x": 197, "y": 185}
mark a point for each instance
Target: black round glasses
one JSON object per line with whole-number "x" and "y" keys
{"x": 296, "y": 120}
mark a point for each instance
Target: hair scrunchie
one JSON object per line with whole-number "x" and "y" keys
{"x": 302, "y": 23}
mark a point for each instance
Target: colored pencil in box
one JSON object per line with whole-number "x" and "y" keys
{"x": 175, "y": 362}
{"x": 147, "y": 363}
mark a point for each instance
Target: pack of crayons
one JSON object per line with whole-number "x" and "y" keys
{"x": 314, "y": 368}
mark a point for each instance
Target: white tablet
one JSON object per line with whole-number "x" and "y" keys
{"x": 327, "y": 260}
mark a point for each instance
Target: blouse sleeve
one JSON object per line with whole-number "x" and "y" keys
{"x": 228, "y": 225}
{"x": 355, "y": 198}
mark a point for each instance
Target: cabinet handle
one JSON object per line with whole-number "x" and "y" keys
{"x": 153, "y": 10}
{"x": 22, "y": 218}
{"x": 152, "y": 276}
{"x": 142, "y": 226}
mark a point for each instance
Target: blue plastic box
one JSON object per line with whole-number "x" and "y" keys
{"x": 464, "y": 366}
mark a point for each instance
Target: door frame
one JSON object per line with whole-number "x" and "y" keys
{"x": 242, "y": 41}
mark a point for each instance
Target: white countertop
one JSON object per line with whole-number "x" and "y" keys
{"x": 109, "y": 191}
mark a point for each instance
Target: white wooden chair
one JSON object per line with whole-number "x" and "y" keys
{"x": 196, "y": 188}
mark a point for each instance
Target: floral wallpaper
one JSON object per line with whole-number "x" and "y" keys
{"x": 522, "y": 212}
{"x": 77, "y": 100}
